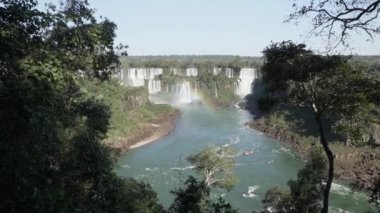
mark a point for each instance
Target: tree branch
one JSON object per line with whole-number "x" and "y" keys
{"x": 343, "y": 15}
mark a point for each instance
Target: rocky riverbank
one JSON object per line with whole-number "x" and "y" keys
{"x": 358, "y": 165}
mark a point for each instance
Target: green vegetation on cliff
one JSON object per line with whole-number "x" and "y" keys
{"x": 130, "y": 106}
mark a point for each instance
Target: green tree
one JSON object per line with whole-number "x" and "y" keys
{"x": 132, "y": 196}
{"x": 52, "y": 157}
{"x": 195, "y": 198}
{"x": 327, "y": 85}
{"x": 305, "y": 193}
{"x": 375, "y": 192}
{"x": 215, "y": 165}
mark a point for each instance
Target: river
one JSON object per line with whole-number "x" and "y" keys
{"x": 163, "y": 163}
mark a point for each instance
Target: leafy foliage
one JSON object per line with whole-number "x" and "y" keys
{"x": 305, "y": 193}
{"x": 375, "y": 192}
{"x": 52, "y": 157}
{"x": 216, "y": 165}
{"x": 130, "y": 106}
{"x": 195, "y": 197}
{"x": 327, "y": 85}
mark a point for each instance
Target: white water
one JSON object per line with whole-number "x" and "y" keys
{"x": 216, "y": 70}
{"x": 184, "y": 93}
{"x": 176, "y": 71}
{"x": 192, "y": 71}
{"x": 136, "y": 77}
{"x": 162, "y": 164}
{"x": 154, "y": 86}
{"x": 120, "y": 75}
{"x": 244, "y": 85}
{"x": 250, "y": 192}
{"x": 229, "y": 72}
{"x": 183, "y": 168}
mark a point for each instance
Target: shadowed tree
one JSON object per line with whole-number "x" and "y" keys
{"x": 51, "y": 131}
{"x": 305, "y": 192}
{"x": 195, "y": 198}
{"x": 327, "y": 85}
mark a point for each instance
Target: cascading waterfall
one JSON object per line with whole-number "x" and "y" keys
{"x": 154, "y": 86}
{"x": 176, "y": 71}
{"x": 216, "y": 91}
{"x": 229, "y": 72}
{"x": 121, "y": 77}
{"x": 184, "y": 93}
{"x": 216, "y": 70}
{"x": 191, "y": 71}
{"x": 136, "y": 77}
{"x": 244, "y": 85}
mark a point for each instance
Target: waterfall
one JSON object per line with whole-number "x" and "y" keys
{"x": 244, "y": 85}
{"x": 176, "y": 71}
{"x": 216, "y": 91}
{"x": 136, "y": 77}
{"x": 216, "y": 70}
{"x": 191, "y": 71}
{"x": 121, "y": 77}
{"x": 154, "y": 86}
{"x": 229, "y": 72}
{"x": 184, "y": 92}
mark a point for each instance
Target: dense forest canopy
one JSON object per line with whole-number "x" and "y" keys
{"x": 51, "y": 130}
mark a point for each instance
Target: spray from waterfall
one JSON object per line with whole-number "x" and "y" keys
{"x": 184, "y": 92}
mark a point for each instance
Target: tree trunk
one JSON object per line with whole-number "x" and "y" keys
{"x": 330, "y": 157}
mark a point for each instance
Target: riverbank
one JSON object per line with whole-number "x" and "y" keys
{"x": 359, "y": 165}
{"x": 151, "y": 131}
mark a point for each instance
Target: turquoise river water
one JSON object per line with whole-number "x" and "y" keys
{"x": 163, "y": 164}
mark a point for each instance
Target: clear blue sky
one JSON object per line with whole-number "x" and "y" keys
{"x": 233, "y": 27}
